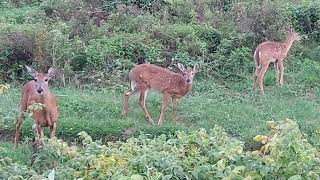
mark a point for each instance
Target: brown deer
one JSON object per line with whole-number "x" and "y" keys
{"x": 173, "y": 85}
{"x": 275, "y": 52}
{"x": 37, "y": 91}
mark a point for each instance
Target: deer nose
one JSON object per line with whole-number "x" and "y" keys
{"x": 188, "y": 80}
{"x": 39, "y": 90}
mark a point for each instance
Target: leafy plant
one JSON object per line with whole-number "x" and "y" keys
{"x": 194, "y": 155}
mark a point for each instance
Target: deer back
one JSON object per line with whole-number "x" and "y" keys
{"x": 277, "y": 50}
{"x": 272, "y": 50}
{"x": 161, "y": 79}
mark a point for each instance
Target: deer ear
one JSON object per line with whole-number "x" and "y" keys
{"x": 288, "y": 29}
{"x": 195, "y": 68}
{"x": 51, "y": 73}
{"x": 181, "y": 67}
{"x": 32, "y": 72}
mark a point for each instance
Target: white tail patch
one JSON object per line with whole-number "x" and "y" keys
{"x": 34, "y": 126}
{"x": 133, "y": 85}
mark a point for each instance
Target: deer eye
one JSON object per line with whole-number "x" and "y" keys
{"x": 46, "y": 79}
{"x": 35, "y": 80}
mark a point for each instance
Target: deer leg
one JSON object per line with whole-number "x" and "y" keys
{"x": 18, "y": 128}
{"x": 41, "y": 134}
{"x": 164, "y": 106}
{"x": 261, "y": 76}
{"x": 37, "y": 131}
{"x": 174, "y": 109}
{"x": 127, "y": 95}
{"x": 142, "y": 103}
{"x": 276, "y": 69}
{"x": 281, "y": 69}
{"x": 255, "y": 75}
{"x": 53, "y": 130}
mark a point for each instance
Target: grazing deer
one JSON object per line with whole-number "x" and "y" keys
{"x": 173, "y": 85}
{"x": 37, "y": 91}
{"x": 268, "y": 52}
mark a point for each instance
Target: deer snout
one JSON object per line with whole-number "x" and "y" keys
{"x": 40, "y": 90}
{"x": 188, "y": 80}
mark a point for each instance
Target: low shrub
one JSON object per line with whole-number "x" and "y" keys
{"x": 121, "y": 51}
{"x": 310, "y": 73}
{"x": 285, "y": 153}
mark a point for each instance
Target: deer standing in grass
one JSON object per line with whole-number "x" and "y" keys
{"x": 172, "y": 85}
{"x": 275, "y": 52}
{"x": 37, "y": 91}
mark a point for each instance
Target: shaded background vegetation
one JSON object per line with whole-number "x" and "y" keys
{"x": 98, "y": 41}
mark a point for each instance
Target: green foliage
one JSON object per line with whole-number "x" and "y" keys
{"x": 288, "y": 153}
{"x": 107, "y": 38}
{"x": 310, "y": 73}
{"x": 193, "y": 155}
{"x": 264, "y": 19}
{"x": 143, "y": 4}
{"x": 233, "y": 60}
{"x": 306, "y": 18}
{"x": 121, "y": 51}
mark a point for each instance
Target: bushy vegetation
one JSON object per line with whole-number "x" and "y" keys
{"x": 106, "y": 38}
{"x": 285, "y": 154}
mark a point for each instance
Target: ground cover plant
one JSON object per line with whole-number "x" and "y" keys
{"x": 197, "y": 154}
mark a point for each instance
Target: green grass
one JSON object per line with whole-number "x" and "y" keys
{"x": 237, "y": 109}
{"x": 16, "y": 15}
{"x": 21, "y": 155}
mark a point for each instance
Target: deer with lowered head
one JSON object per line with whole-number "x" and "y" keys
{"x": 275, "y": 52}
{"x": 172, "y": 85}
{"x": 37, "y": 91}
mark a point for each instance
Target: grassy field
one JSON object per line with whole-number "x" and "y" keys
{"x": 231, "y": 105}
{"x": 236, "y": 108}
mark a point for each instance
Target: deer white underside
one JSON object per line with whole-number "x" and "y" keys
{"x": 133, "y": 85}
{"x": 273, "y": 60}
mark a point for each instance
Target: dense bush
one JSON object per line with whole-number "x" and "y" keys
{"x": 310, "y": 73}
{"x": 106, "y": 38}
{"x": 264, "y": 19}
{"x": 306, "y": 18}
{"x": 285, "y": 154}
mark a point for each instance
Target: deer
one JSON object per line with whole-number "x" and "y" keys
{"x": 144, "y": 77}
{"x": 275, "y": 52}
{"x": 37, "y": 91}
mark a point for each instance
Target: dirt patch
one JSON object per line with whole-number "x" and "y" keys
{"x": 6, "y": 135}
{"x": 127, "y": 133}
{"x": 250, "y": 146}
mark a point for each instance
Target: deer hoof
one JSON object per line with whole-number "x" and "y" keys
{"x": 151, "y": 121}
{"x": 159, "y": 123}
{"x": 125, "y": 114}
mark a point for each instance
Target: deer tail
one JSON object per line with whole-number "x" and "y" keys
{"x": 257, "y": 69}
{"x": 256, "y": 58}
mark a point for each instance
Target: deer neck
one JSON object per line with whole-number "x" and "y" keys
{"x": 187, "y": 88}
{"x": 288, "y": 44}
